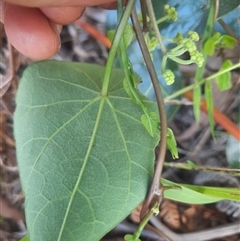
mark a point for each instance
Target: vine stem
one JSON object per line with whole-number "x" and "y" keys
{"x": 144, "y": 15}
{"x": 186, "y": 166}
{"x": 154, "y": 192}
{"x": 117, "y": 38}
{"x": 155, "y": 26}
{"x": 190, "y": 87}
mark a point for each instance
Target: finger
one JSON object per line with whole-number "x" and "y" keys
{"x": 1, "y": 11}
{"x": 111, "y": 5}
{"x": 30, "y": 32}
{"x": 59, "y": 3}
{"x": 63, "y": 15}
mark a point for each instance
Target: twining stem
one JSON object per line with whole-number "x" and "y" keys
{"x": 155, "y": 26}
{"x": 145, "y": 220}
{"x": 227, "y": 29}
{"x": 154, "y": 192}
{"x": 144, "y": 15}
{"x": 186, "y": 166}
{"x": 117, "y": 38}
{"x": 127, "y": 68}
{"x": 190, "y": 87}
{"x": 200, "y": 70}
{"x": 216, "y": 9}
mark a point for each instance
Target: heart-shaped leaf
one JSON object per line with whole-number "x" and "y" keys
{"x": 85, "y": 159}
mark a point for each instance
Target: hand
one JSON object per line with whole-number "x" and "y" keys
{"x": 33, "y": 26}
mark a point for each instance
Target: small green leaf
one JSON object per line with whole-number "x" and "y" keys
{"x": 186, "y": 195}
{"x": 228, "y": 193}
{"x": 191, "y": 164}
{"x": 128, "y": 91}
{"x": 172, "y": 144}
{"x": 209, "y": 101}
{"x": 130, "y": 237}
{"x": 128, "y": 35}
{"x": 228, "y": 41}
{"x": 224, "y": 80}
{"x": 209, "y": 47}
{"x": 110, "y": 34}
{"x": 150, "y": 121}
{"x": 26, "y": 238}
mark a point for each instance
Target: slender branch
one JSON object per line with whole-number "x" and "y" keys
{"x": 190, "y": 87}
{"x": 145, "y": 220}
{"x": 118, "y": 36}
{"x": 125, "y": 65}
{"x": 186, "y": 166}
{"x": 227, "y": 29}
{"x": 144, "y": 15}
{"x": 155, "y": 26}
{"x": 154, "y": 191}
{"x": 216, "y": 10}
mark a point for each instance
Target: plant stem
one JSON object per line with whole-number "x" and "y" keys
{"x": 128, "y": 72}
{"x": 154, "y": 191}
{"x": 155, "y": 26}
{"x": 118, "y": 36}
{"x": 144, "y": 15}
{"x": 162, "y": 19}
{"x": 186, "y": 166}
{"x": 228, "y": 29}
{"x": 145, "y": 220}
{"x": 190, "y": 87}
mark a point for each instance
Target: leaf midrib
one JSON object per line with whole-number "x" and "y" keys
{"x": 95, "y": 129}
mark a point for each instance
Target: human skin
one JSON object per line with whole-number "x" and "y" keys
{"x": 33, "y": 26}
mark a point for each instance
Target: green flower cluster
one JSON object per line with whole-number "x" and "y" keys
{"x": 183, "y": 45}
{"x": 188, "y": 44}
{"x": 197, "y": 57}
{"x": 169, "y": 77}
{"x": 171, "y": 12}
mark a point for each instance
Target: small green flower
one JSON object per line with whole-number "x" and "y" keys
{"x": 193, "y": 36}
{"x": 189, "y": 45}
{"x": 153, "y": 43}
{"x": 170, "y": 12}
{"x": 169, "y": 77}
{"x": 178, "y": 38}
{"x": 197, "y": 57}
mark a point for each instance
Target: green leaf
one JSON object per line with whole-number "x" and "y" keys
{"x": 209, "y": 101}
{"x": 228, "y": 41}
{"x": 228, "y": 193}
{"x": 130, "y": 237}
{"x": 224, "y": 80}
{"x": 151, "y": 122}
{"x": 25, "y": 239}
{"x": 226, "y": 6}
{"x": 111, "y": 34}
{"x": 85, "y": 159}
{"x": 128, "y": 35}
{"x": 128, "y": 91}
{"x": 182, "y": 193}
{"x": 172, "y": 144}
{"x": 191, "y": 164}
{"x": 209, "y": 47}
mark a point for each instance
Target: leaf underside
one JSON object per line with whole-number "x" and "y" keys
{"x": 85, "y": 160}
